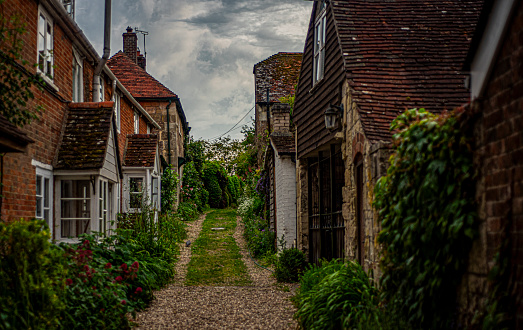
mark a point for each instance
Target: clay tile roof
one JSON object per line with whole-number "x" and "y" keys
{"x": 402, "y": 54}
{"x": 12, "y": 139}
{"x": 137, "y": 81}
{"x": 85, "y": 136}
{"x": 280, "y": 73}
{"x": 284, "y": 144}
{"x": 140, "y": 150}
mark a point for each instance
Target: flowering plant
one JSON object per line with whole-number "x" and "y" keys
{"x": 97, "y": 294}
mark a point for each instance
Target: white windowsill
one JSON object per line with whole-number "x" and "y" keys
{"x": 48, "y": 81}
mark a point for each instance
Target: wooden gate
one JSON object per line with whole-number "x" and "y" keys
{"x": 326, "y": 225}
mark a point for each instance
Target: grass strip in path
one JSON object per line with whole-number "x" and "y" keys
{"x": 216, "y": 258}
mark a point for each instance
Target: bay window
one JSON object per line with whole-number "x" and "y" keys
{"x": 75, "y": 207}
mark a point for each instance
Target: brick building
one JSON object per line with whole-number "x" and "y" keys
{"x": 68, "y": 170}
{"x": 364, "y": 63}
{"x": 495, "y": 63}
{"x": 277, "y": 75}
{"x": 162, "y": 104}
{"x": 276, "y": 78}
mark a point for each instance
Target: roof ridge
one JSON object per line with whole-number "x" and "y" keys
{"x": 120, "y": 64}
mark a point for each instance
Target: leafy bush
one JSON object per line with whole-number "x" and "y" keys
{"x": 31, "y": 276}
{"x": 193, "y": 190}
{"x": 187, "y": 211}
{"x": 214, "y": 178}
{"x": 426, "y": 205}
{"x": 234, "y": 187}
{"x": 260, "y": 240}
{"x": 169, "y": 189}
{"x": 290, "y": 265}
{"x": 335, "y": 297}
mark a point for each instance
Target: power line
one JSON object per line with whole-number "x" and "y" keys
{"x": 219, "y": 136}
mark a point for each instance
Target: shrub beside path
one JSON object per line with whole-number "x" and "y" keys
{"x": 264, "y": 305}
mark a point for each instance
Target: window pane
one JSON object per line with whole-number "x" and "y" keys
{"x": 324, "y": 26}
{"x": 46, "y": 193}
{"x": 136, "y": 184}
{"x": 75, "y": 228}
{"x": 76, "y": 209}
{"x": 39, "y": 185}
{"x": 46, "y": 217}
{"x": 39, "y": 207}
{"x": 41, "y": 25}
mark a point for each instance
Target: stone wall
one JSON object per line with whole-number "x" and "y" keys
{"x": 302, "y": 206}
{"x": 356, "y": 145}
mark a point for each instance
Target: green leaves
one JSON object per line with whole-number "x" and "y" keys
{"x": 427, "y": 215}
{"x": 335, "y": 295}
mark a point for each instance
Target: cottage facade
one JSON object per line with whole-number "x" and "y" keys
{"x": 275, "y": 79}
{"x": 366, "y": 62}
{"x": 70, "y": 171}
{"x": 161, "y": 103}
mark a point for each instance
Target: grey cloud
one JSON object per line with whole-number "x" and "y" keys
{"x": 204, "y": 50}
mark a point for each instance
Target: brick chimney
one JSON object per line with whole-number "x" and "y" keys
{"x": 130, "y": 44}
{"x": 141, "y": 60}
{"x": 280, "y": 119}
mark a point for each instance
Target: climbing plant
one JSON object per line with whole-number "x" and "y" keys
{"x": 16, "y": 82}
{"x": 426, "y": 208}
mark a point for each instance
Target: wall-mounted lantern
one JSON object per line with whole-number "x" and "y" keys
{"x": 331, "y": 116}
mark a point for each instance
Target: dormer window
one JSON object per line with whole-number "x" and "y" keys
{"x": 45, "y": 44}
{"x": 319, "y": 43}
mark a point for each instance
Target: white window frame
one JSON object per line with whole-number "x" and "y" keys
{"x": 89, "y": 208}
{"x": 44, "y": 201}
{"x": 102, "y": 89}
{"x": 44, "y": 45}
{"x": 148, "y": 129}
{"x": 78, "y": 78}
{"x": 130, "y": 193}
{"x": 155, "y": 192}
{"x": 103, "y": 206}
{"x": 117, "y": 112}
{"x": 136, "y": 123}
{"x": 319, "y": 45}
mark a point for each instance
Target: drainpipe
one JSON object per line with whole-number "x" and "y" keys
{"x": 169, "y": 130}
{"x": 107, "y": 52}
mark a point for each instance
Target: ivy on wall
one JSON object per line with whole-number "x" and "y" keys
{"x": 426, "y": 205}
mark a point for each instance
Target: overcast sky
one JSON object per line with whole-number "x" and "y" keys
{"x": 204, "y": 50}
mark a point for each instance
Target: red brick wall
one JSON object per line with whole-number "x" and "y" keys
{"x": 19, "y": 174}
{"x": 499, "y": 159}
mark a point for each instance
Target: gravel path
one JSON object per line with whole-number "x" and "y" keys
{"x": 261, "y": 306}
